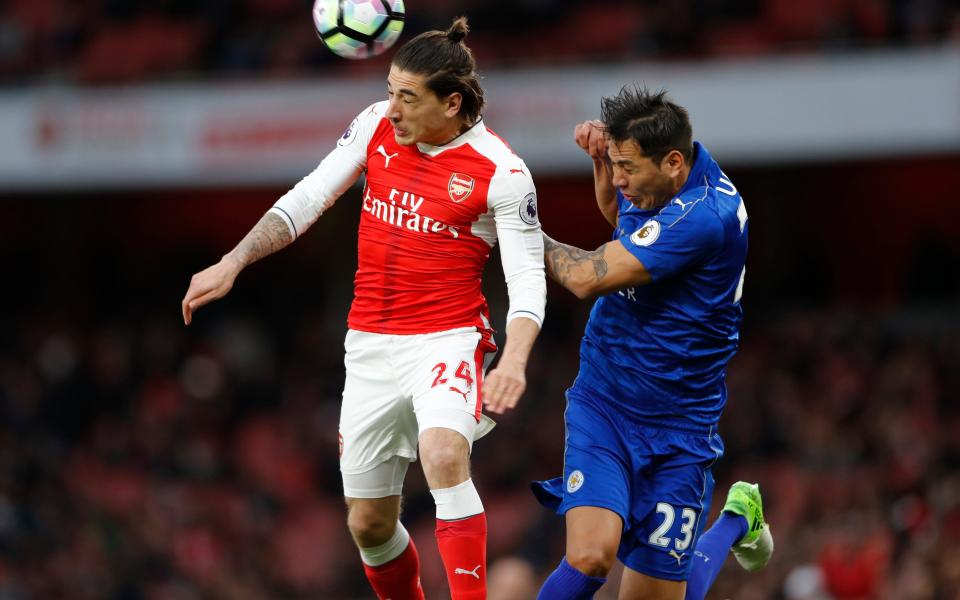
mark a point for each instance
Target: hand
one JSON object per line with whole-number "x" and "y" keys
{"x": 590, "y": 136}
{"x": 208, "y": 285}
{"x": 503, "y": 386}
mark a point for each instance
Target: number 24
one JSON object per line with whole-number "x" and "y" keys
{"x": 462, "y": 372}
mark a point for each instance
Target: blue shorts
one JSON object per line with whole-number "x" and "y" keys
{"x": 658, "y": 480}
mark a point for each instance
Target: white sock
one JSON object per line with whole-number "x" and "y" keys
{"x": 457, "y": 502}
{"x": 384, "y": 553}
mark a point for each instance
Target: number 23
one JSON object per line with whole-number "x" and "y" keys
{"x": 689, "y": 517}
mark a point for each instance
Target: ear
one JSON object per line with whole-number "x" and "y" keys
{"x": 451, "y": 104}
{"x": 673, "y": 163}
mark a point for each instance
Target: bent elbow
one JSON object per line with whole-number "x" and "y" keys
{"x": 583, "y": 291}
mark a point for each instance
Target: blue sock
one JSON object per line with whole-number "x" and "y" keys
{"x": 567, "y": 583}
{"x": 711, "y": 553}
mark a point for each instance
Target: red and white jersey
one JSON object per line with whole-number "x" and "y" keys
{"x": 430, "y": 215}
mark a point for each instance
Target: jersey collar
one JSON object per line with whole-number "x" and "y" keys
{"x": 698, "y": 172}
{"x": 474, "y": 132}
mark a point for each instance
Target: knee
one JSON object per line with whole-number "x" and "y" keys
{"x": 369, "y": 527}
{"x": 442, "y": 459}
{"x": 446, "y": 460}
{"x": 592, "y": 561}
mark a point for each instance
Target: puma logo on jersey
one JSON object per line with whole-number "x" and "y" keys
{"x": 386, "y": 157}
{"x": 683, "y": 205}
{"x": 459, "y": 571}
{"x": 674, "y": 554}
{"x": 512, "y": 171}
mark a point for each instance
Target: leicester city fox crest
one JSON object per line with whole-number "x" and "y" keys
{"x": 575, "y": 481}
{"x": 647, "y": 234}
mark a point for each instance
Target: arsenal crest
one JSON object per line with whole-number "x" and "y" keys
{"x": 460, "y": 187}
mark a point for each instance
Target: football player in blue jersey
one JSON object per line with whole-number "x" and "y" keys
{"x": 642, "y": 415}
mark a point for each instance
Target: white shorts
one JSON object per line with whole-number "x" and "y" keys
{"x": 396, "y": 387}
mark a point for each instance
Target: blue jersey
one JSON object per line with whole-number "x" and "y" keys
{"x": 660, "y": 350}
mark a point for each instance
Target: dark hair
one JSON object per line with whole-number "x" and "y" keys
{"x": 448, "y": 64}
{"x": 655, "y": 123}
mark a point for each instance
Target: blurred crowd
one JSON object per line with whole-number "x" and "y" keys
{"x": 120, "y": 41}
{"x": 140, "y": 460}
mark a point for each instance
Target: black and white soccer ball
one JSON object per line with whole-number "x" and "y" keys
{"x": 358, "y": 28}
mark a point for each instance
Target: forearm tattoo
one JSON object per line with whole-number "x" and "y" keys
{"x": 267, "y": 236}
{"x": 564, "y": 262}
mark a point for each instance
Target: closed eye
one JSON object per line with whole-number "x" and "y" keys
{"x": 404, "y": 97}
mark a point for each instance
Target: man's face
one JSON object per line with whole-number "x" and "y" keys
{"x": 417, "y": 114}
{"x": 641, "y": 181}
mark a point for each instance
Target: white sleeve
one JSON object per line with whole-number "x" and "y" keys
{"x": 513, "y": 199}
{"x": 315, "y": 193}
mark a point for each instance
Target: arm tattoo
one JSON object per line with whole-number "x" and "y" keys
{"x": 267, "y": 236}
{"x": 563, "y": 261}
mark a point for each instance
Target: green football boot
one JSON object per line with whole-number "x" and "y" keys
{"x": 754, "y": 549}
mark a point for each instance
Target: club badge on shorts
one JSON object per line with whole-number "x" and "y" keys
{"x": 575, "y": 481}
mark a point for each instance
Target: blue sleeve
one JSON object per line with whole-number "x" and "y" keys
{"x": 679, "y": 236}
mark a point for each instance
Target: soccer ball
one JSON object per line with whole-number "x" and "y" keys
{"x": 358, "y": 28}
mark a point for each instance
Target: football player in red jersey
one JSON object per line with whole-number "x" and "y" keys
{"x": 440, "y": 190}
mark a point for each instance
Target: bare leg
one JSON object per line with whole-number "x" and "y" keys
{"x": 637, "y": 586}
{"x": 461, "y": 521}
{"x": 593, "y": 536}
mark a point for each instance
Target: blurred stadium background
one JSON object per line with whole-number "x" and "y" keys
{"x": 140, "y": 139}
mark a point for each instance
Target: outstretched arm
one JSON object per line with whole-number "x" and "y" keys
{"x": 589, "y": 273}
{"x": 270, "y": 234}
{"x": 290, "y": 217}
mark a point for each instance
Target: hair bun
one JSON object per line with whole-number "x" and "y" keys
{"x": 458, "y": 30}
